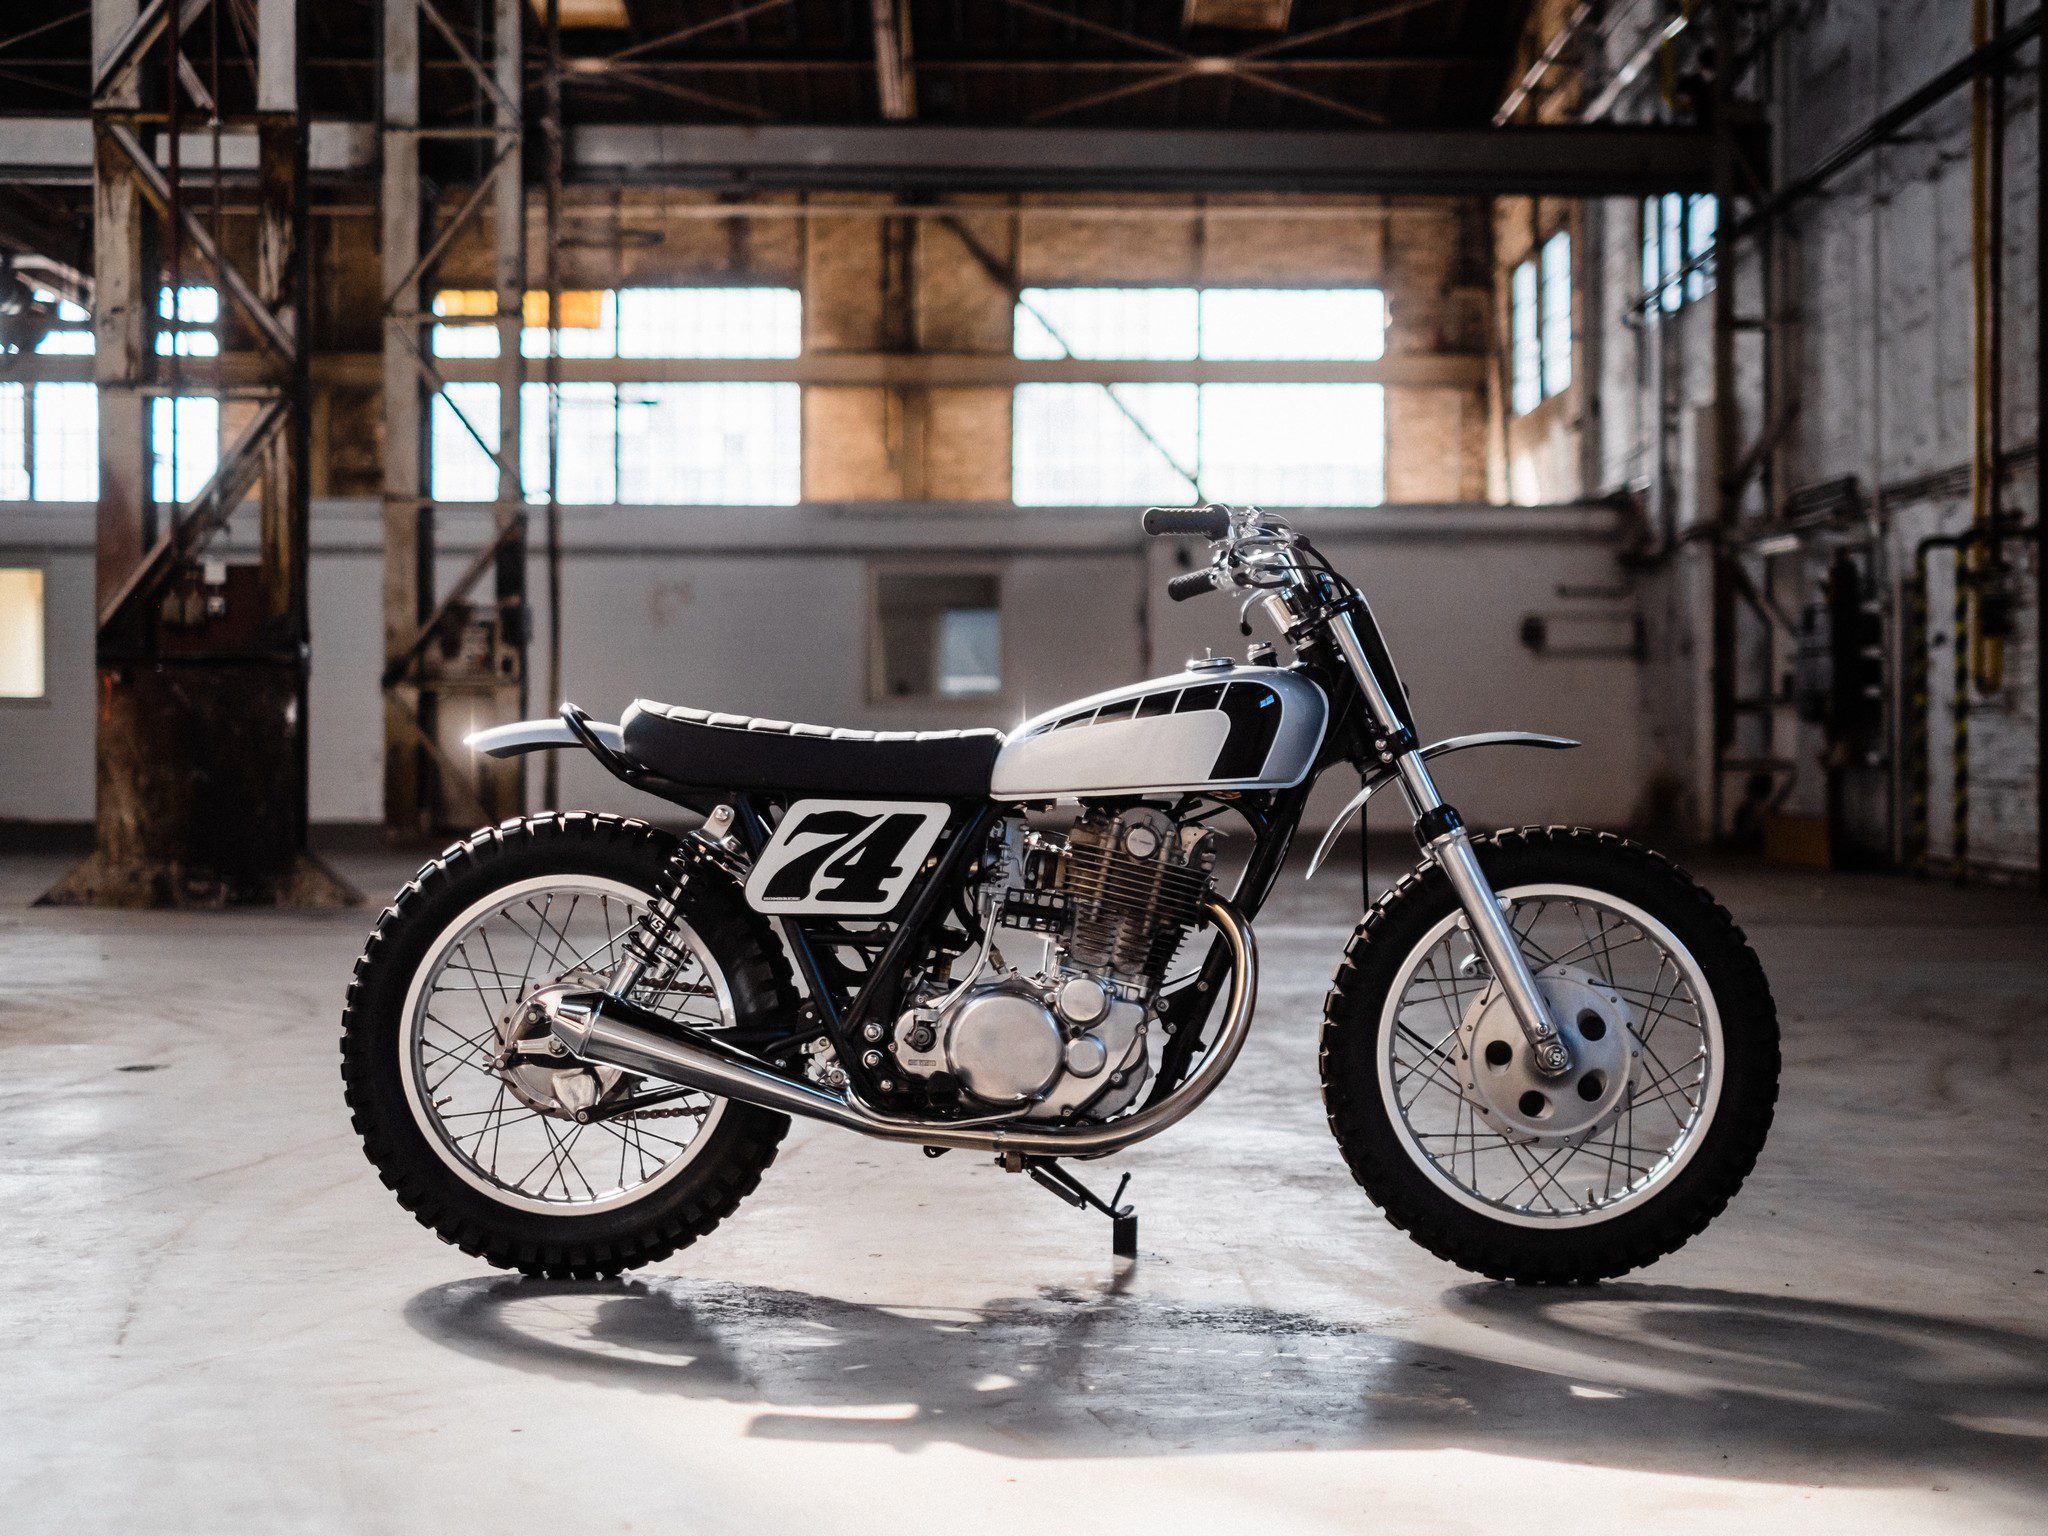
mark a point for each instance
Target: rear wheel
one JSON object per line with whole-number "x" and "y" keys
{"x": 553, "y": 1167}
{"x": 1443, "y": 1117}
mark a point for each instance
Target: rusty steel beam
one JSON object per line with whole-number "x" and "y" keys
{"x": 201, "y": 772}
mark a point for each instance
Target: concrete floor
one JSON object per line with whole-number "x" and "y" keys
{"x": 212, "y": 1317}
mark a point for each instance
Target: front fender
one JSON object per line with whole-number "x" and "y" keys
{"x": 1385, "y": 776}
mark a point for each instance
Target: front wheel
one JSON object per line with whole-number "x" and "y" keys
{"x": 1435, "y": 1100}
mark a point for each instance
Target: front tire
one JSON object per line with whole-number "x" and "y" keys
{"x": 1485, "y": 1163}
{"x": 406, "y": 1068}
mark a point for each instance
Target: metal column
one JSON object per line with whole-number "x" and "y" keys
{"x": 201, "y": 748}
{"x": 453, "y": 663}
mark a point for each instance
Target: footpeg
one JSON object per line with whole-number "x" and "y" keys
{"x": 1123, "y": 1219}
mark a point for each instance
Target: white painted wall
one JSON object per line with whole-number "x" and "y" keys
{"x": 764, "y": 611}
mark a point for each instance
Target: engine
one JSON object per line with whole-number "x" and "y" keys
{"x": 1115, "y": 898}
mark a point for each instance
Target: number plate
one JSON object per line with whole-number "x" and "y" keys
{"x": 844, "y": 857}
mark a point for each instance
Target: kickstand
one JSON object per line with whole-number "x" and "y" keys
{"x": 1123, "y": 1236}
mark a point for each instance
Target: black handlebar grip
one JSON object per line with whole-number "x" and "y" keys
{"x": 1191, "y": 584}
{"x": 1209, "y": 522}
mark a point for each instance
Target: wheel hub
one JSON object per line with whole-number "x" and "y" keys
{"x": 1503, "y": 1082}
{"x": 551, "y": 1083}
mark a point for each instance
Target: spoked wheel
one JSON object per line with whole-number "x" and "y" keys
{"x": 1444, "y": 1117}
{"x": 518, "y": 1155}
{"x": 530, "y": 1129}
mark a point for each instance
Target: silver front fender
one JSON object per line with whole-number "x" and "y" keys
{"x": 523, "y": 736}
{"x": 1380, "y": 780}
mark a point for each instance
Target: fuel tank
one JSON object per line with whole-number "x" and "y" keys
{"x": 1215, "y": 726}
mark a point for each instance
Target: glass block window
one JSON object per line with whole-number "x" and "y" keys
{"x": 1278, "y": 444}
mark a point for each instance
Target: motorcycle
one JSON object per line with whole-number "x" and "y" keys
{"x": 574, "y": 1041}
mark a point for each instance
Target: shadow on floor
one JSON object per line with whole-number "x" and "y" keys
{"x": 1702, "y": 1382}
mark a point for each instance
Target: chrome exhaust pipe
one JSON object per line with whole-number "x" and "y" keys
{"x": 601, "y": 1028}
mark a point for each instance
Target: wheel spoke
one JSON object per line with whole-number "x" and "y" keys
{"x": 537, "y": 935}
{"x": 1581, "y": 937}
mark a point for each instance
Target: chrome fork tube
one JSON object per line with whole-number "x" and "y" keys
{"x": 1444, "y": 839}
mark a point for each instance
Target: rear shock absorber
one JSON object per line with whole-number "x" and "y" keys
{"x": 651, "y": 947}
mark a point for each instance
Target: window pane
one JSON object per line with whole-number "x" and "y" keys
{"x": 1557, "y": 313}
{"x": 935, "y": 634}
{"x": 1651, "y": 266}
{"x": 1674, "y": 248}
{"x": 600, "y": 340}
{"x": 708, "y": 322}
{"x": 66, "y": 344}
{"x": 1294, "y": 445}
{"x": 467, "y": 340}
{"x": 970, "y": 653}
{"x": 67, "y": 434}
{"x": 710, "y": 444}
{"x": 21, "y": 634}
{"x": 184, "y": 438}
{"x": 1320, "y": 323}
{"x": 1703, "y": 215}
{"x": 1107, "y": 322}
{"x": 589, "y": 425}
{"x": 13, "y": 442}
{"x": 194, "y": 306}
{"x": 1071, "y": 446}
{"x": 1526, "y": 359}
{"x": 191, "y": 313}
{"x": 461, "y": 470}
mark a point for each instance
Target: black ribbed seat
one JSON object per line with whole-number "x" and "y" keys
{"x": 702, "y": 750}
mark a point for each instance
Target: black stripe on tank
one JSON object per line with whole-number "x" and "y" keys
{"x": 1254, "y": 711}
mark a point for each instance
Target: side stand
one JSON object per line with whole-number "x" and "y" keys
{"x": 1123, "y": 1219}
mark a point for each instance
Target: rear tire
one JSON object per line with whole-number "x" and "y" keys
{"x": 722, "y": 1164}
{"x": 1400, "y": 1171}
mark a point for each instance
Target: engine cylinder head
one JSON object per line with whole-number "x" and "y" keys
{"x": 1134, "y": 882}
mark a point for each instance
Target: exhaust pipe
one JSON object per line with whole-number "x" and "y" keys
{"x": 598, "y": 1027}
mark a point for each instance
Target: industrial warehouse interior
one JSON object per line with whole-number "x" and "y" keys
{"x": 638, "y": 892}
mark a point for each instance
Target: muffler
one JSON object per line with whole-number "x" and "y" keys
{"x": 598, "y": 1027}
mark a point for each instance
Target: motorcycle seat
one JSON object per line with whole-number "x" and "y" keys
{"x": 699, "y": 749}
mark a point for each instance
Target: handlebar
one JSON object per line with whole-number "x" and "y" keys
{"x": 1191, "y": 584}
{"x": 1210, "y": 522}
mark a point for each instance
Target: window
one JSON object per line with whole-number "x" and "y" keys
{"x": 936, "y": 635}
{"x": 1525, "y": 340}
{"x": 21, "y": 634}
{"x": 49, "y": 431}
{"x": 190, "y": 319}
{"x": 185, "y": 440}
{"x": 1279, "y": 444}
{"x": 1678, "y": 232}
{"x": 64, "y": 438}
{"x": 719, "y": 444}
{"x": 1540, "y": 325}
{"x": 1556, "y": 286}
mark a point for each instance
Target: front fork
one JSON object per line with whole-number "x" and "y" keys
{"x": 1444, "y": 838}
